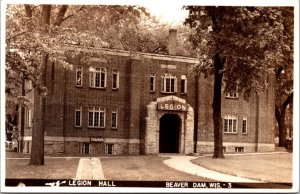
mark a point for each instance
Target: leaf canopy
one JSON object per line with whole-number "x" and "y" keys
{"x": 253, "y": 41}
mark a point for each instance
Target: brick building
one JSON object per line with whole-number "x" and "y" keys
{"x": 118, "y": 102}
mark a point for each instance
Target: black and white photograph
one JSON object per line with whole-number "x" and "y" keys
{"x": 156, "y": 96}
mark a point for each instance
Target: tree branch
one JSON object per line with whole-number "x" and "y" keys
{"x": 60, "y": 17}
{"x": 67, "y": 17}
{"x": 28, "y": 10}
{"x": 287, "y": 101}
{"x": 8, "y": 39}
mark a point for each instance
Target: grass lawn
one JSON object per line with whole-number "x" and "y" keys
{"x": 264, "y": 167}
{"x": 130, "y": 168}
{"x": 54, "y": 168}
{"x": 143, "y": 168}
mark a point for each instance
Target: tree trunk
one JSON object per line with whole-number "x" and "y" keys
{"x": 37, "y": 149}
{"x": 280, "y": 118}
{"x": 22, "y": 124}
{"x": 217, "y": 119}
{"x": 282, "y": 130}
{"x": 61, "y": 15}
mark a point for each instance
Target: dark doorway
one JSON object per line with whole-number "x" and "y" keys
{"x": 169, "y": 133}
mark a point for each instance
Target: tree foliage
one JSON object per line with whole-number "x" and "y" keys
{"x": 241, "y": 46}
{"x": 35, "y": 38}
{"x": 253, "y": 40}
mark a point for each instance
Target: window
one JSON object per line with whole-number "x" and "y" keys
{"x": 96, "y": 117}
{"x": 231, "y": 94}
{"x": 28, "y": 116}
{"x": 85, "y": 148}
{"x": 114, "y": 119}
{"x": 78, "y": 117}
{"x": 244, "y": 125}
{"x": 27, "y": 146}
{"x": 115, "y": 79}
{"x": 152, "y": 82}
{"x": 28, "y": 84}
{"x": 183, "y": 84}
{"x": 230, "y": 124}
{"x": 239, "y": 149}
{"x": 98, "y": 77}
{"x": 79, "y": 76}
{"x": 224, "y": 149}
{"x": 109, "y": 149}
{"x": 169, "y": 84}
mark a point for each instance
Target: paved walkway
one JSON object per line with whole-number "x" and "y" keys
{"x": 183, "y": 163}
{"x": 89, "y": 169}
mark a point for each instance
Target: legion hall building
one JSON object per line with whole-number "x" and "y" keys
{"x": 118, "y": 102}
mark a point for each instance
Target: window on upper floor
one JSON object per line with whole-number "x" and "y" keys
{"x": 152, "y": 82}
{"x": 183, "y": 85}
{"x": 28, "y": 84}
{"x": 28, "y": 117}
{"x": 230, "y": 124}
{"x": 96, "y": 117}
{"x": 78, "y": 116}
{"x": 169, "y": 84}
{"x": 79, "y": 76}
{"x": 97, "y": 77}
{"x": 244, "y": 125}
{"x": 231, "y": 94}
{"x": 115, "y": 79}
{"x": 114, "y": 119}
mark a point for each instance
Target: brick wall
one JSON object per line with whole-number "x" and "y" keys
{"x": 133, "y": 96}
{"x": 260, "y": 118}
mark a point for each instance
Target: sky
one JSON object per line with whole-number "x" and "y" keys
{"x": 167, "y": 12}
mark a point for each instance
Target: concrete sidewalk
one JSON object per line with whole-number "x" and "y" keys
{"x": 183, "y": 163}
{"x": 89, "y": 169}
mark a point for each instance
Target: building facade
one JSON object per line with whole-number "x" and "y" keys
{"x": 118, "y": 102}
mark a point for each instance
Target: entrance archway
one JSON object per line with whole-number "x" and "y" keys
{"x": 169, "y": 128}
{"x": 178, "y": 111}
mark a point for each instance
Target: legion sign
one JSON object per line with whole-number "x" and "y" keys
{"x": 172, "y": 105}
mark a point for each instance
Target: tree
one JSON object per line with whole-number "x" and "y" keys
{"x": 284, "y": 98}
{"x": 240, "y": 46}
{"x": 284, "y": 79}
{"x": 35, "y": 34}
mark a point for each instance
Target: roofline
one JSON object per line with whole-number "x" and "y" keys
{"x": 136, "y": 55}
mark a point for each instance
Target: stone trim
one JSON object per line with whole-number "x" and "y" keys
{"x": 79, "y": 139}
{"x": 234, "y": 143}
{"x": 171, "y": 97}
{"x": 86, "y": 139}
{"x": 208, "y": 147}
{"x": 27, "y": 138}
{"x": 136, "y": 55}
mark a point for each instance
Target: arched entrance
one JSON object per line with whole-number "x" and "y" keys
{"x": 169, "y": 129}
{"x": 166, "y": 115}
